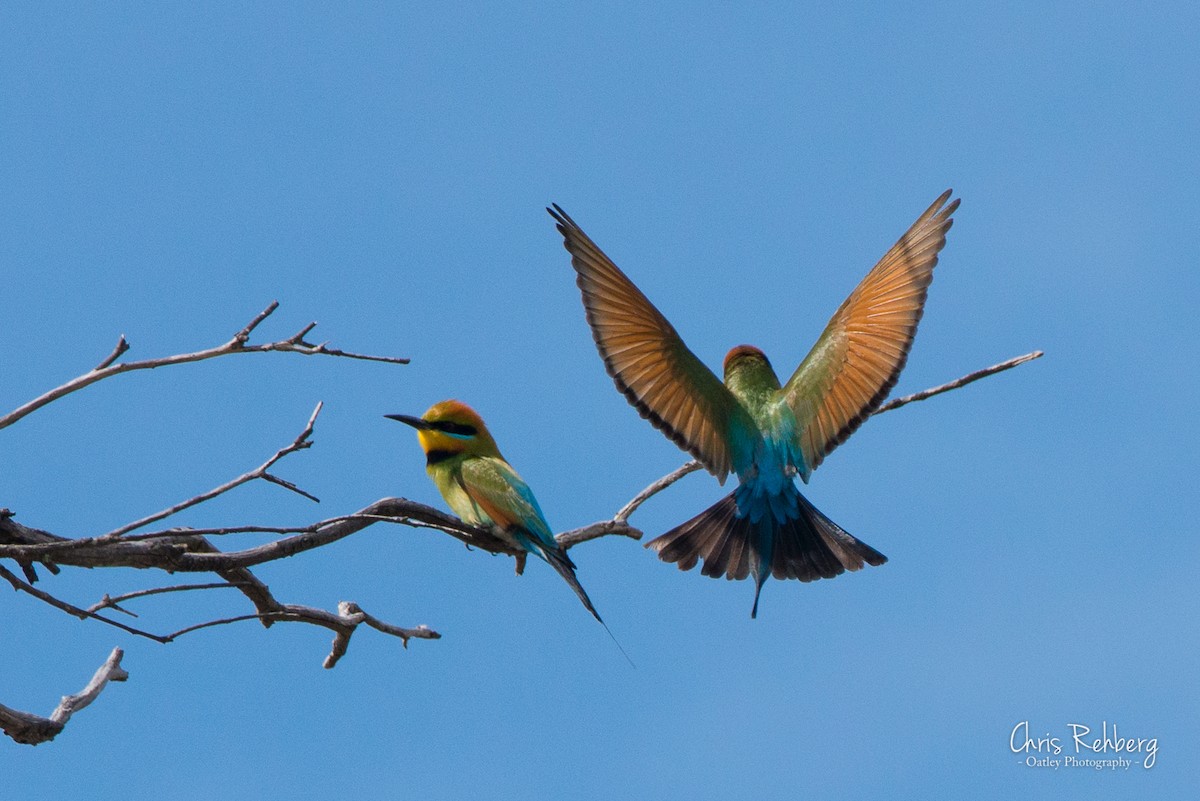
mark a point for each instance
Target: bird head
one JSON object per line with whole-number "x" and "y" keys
{"x": 749, "y": 373}
{"x": 747, "y": 360}
{"x": 450, "y": 428}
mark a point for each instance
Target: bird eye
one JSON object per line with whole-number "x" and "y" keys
{"x": 456, "y": 429}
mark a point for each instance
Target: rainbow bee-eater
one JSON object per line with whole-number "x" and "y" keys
{"x": 483, "y": 489}
{"x": 752, "y": 425}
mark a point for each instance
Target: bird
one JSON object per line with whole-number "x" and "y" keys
{"x": 483, "y": 489}
{"x": 752, "y": 425}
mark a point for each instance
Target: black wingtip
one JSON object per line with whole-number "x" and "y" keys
{"x": 561, "y": 217}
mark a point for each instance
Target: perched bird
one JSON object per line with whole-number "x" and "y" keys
{"x": 753, "y": 426}
{"x": 483, "y": 489}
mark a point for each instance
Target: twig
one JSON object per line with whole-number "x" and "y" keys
{"x": 31, "y": 729}
{"x": 70, "y": 609}
{"x": 269, "y": 611}
{"x": 108, "y": 602}
{"x": 241, "y": 337}
{"x": 655, "y": 488}
{"x": 302, "y": 441}
{"x": 117, "y": 352}
{"x": 238, "y": 344}
{"x": 354, "y": 615}
{"x": 348, "y": 618}
{"x": 222, "y": 622}
{"x": 959, "y": 382}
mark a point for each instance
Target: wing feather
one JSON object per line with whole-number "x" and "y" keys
{"x": 650, "y": 364}
{"x": 859, "y": 356}
{"x": 496, "y": 488}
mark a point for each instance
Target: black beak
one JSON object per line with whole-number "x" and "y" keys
{"x": 415, "y": 422}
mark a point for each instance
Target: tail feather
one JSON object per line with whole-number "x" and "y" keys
{"x": 700, "y": 538}
{"x": 557, "y": 558}
{"x": 806, "y": 555}
{"x": 562, "y": 564}
{"x": 687, "y": 543}
{"x": 807, "y": 547}
{"x": 726, "y": 549}
{"x": 738, "y": 560}
{"x": 848, "y": 551}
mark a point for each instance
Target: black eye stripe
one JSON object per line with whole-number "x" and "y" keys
{"x": 462, "y": 429}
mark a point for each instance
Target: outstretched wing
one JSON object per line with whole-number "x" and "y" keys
{"x": 663, "y": 380}
{"x": 859, "y": 356}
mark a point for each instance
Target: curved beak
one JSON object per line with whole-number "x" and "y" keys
{"x": 415, "y": 422}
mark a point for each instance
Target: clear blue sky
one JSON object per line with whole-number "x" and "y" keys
{"x": 167, "y": 170}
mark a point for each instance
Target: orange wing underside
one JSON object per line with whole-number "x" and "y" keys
{"x": 858, "y": 358}
{"x": 648, "y": 361}
{"x": 849, "y": 372}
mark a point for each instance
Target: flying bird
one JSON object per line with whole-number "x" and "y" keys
{"x": 753, "y": 426}
{"x": 483, "y": 489}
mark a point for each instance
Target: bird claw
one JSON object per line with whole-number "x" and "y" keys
{"x": 520, "y": 563}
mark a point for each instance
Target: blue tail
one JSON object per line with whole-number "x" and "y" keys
{"x": 784, "y": 536}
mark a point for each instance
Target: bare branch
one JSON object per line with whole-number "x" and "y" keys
{"x": 344, "y": 623}
{"x": 122, "y": 346}
{"x": 110, "y": 367}
{"x": 227, "y": 530}
{"x": 164, "y": 550}
{"x": 302, "y": 441}
{"x": 269, "y": 611}
{"x": 349, "y": 608}
{"x": 70, "y": 609}
{"x": 654, "y": 489}
{"x": 23, "y": 534}
{"x": 959, "y": 382}
{"x": 353, "y": 614}
{"x": 244, "y": 335}
{"x": 31, "y": 729}
{"x": 287, "y": 485}
{"x": 108, "y": 602}
{"x": 604, "y": 528}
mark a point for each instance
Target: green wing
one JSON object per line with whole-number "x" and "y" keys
{"x": 859, "y": 356}
{"x": 649, "y": 363}
{"x": 494, "y": 486}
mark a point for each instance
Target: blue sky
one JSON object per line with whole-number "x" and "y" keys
{"x": 169, "y": 170}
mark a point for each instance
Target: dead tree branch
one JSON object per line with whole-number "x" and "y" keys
{"x": 32, "y": 729}
{"x": 183, "y": 550}
{"x": 171, "y": 550}
{"x": 238, "y": 344}
{"x": 302, "y": 441}
{"x": 959, "y": 382}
